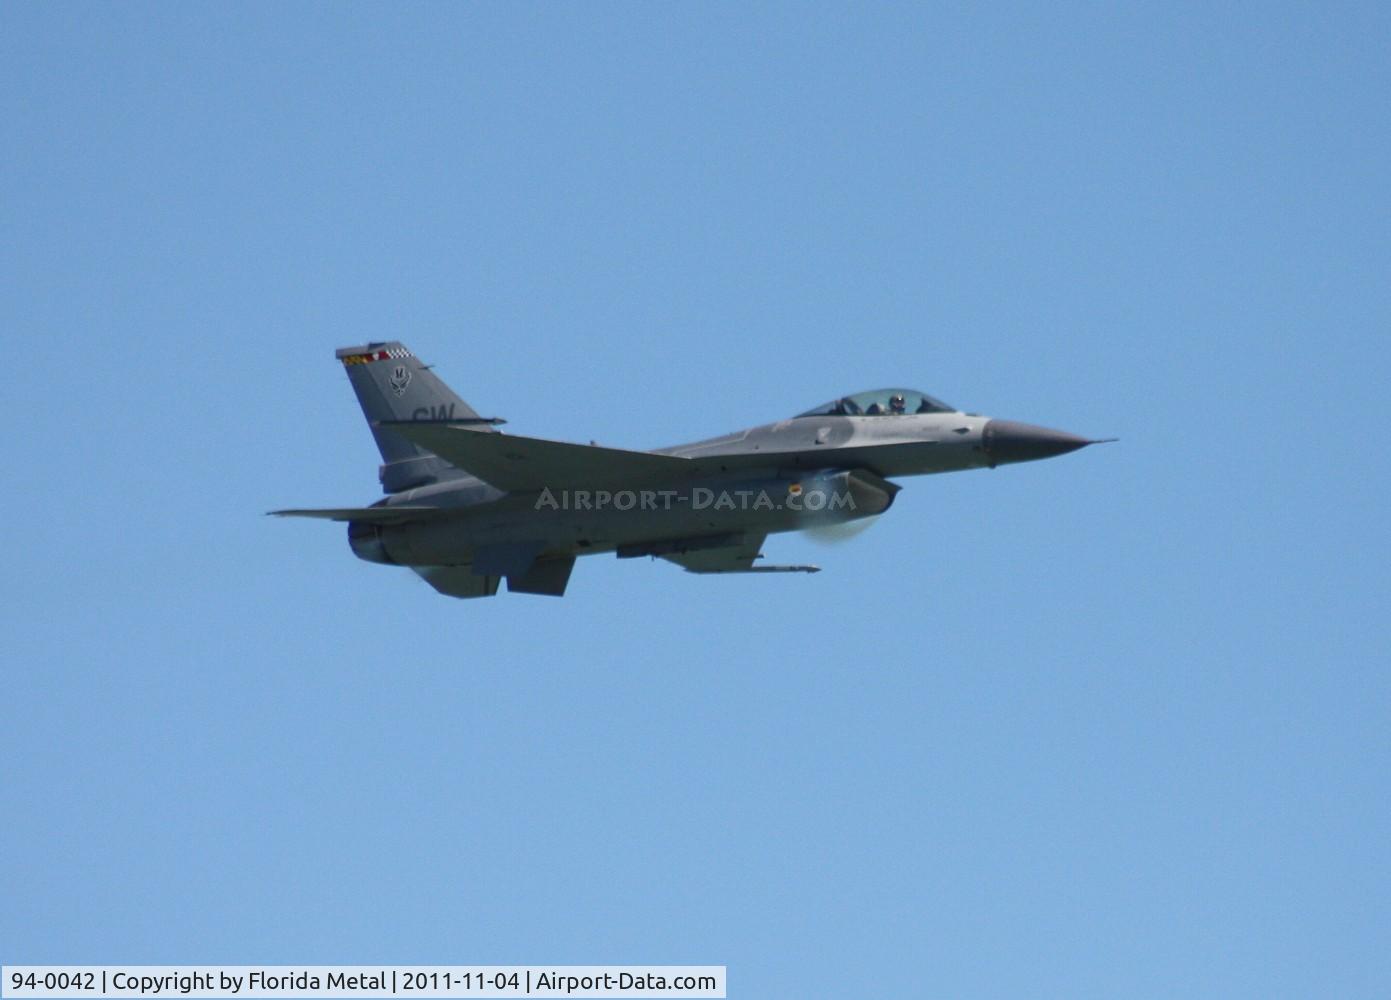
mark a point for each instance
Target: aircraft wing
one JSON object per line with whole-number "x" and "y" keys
{"x": 515, "y": 463}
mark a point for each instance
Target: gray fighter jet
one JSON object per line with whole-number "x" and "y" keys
{"x": 467, "y": 505}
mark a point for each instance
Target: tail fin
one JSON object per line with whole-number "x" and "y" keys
{"x": 392, "y": 384}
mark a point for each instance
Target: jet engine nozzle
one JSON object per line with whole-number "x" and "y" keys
{"x": 366, "y": 542}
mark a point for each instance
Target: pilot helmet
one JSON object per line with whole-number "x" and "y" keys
{"x": 896, "y": 403}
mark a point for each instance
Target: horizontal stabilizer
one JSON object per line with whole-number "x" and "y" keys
{"x": 515, "y": 463}
{"x": 367, "y": 515}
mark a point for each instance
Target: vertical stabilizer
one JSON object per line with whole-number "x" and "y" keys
{"x": 392, "y": 384}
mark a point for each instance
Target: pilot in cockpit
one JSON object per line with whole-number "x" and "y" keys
{"x": 897, "y": 404}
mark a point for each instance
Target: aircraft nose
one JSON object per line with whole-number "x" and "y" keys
{"x": 1008, "y": 441}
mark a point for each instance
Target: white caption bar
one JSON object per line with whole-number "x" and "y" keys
{"x": 97, "y": 982}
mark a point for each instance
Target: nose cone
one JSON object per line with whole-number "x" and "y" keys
{"x": 1007, "y": 441}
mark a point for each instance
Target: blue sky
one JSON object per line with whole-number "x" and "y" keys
{"x": 1109, "y": 725}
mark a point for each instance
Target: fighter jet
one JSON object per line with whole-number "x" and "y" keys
{"x": 468, "y": 505}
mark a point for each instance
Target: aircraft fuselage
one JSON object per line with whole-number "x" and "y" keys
{"x": 468, "y": 505}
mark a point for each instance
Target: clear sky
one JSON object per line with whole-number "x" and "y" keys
{"x": 1114, "y": 724}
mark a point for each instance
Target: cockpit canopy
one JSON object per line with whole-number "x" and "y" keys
{"x": 881, "y": 402}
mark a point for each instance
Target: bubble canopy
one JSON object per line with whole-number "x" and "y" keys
{"x": 880, "y": 403}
